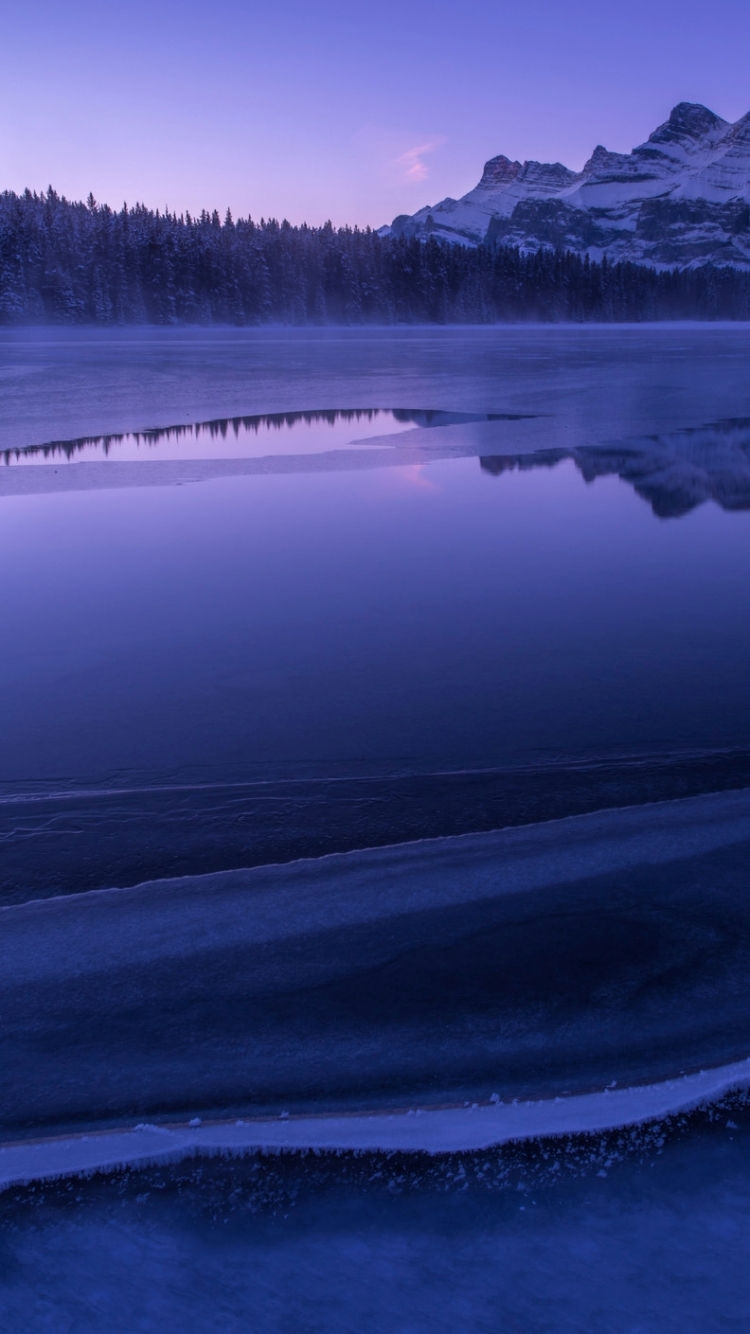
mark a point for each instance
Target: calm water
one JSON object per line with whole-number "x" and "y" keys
{"x": 372, "y": 594}
{"x": 422, "y": 617}
{"x": 274, "y": 595}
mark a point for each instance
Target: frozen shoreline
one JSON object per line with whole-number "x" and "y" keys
{"x": 532, "y": 962}
{"x": 418, "y": 1130}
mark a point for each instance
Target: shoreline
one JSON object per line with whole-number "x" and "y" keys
{"x": 432, "y": 1131}
{"x": 505, "y": 963}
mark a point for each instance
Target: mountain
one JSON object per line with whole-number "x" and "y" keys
{"x": 674, "y": 471}
{"x": 681, "y": 200}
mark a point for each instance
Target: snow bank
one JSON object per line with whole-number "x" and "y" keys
{"x": 433, "y": 1130}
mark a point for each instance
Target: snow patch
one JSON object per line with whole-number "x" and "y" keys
{"x": 417, "y": 1130}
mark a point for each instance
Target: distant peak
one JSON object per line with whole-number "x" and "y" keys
{"x": 551, "y": 173}
{"x": 601, "y": 160}
{"x": 499, "y": 171}
{"x": 694, "y": 114}
{"x": 678, "y": 200}
{"x": 688, "y": 120}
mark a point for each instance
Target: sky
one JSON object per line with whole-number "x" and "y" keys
{"x": 337, "y": 108}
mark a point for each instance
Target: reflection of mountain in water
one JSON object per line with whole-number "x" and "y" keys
{"x": 675, "y": 471}
{"x": 223, "y": 427}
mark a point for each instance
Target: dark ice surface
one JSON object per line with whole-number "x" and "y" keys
{"x": 75, "y": 841}
{"x": 539, "y": 961}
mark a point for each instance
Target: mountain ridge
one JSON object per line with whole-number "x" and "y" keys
{"x": 679, "y": 200}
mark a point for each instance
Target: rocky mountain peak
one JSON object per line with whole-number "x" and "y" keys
{"x": 689, "y": 120}
{"x": 603, "y": 161}
{"x": 679, "y": 200}
{"x": 499, "y": 171}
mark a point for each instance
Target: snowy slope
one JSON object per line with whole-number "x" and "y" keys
{"x": 680, "y": 200}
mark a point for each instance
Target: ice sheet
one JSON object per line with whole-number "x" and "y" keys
{"x": 527, "y": 963}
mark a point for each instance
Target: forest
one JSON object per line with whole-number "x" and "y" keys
{"x": 84, "y": 263}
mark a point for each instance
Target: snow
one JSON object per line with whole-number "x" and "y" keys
{"x": 641, "y": 1232}
{"x": 417, "y": 1130}
{"x": 694, "y": 156}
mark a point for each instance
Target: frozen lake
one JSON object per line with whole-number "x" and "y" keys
{"x": 273, "y": 595}
{"x": 370, "y": 572}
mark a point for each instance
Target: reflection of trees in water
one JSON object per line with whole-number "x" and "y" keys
{"x": 224, "y": 426}
{"x": 218, "y": 429}
{"x": 675, "y": 471}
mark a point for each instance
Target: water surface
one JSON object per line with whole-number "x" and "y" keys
{"x": 377, "y": 598}
{"x": 275, "y": 594}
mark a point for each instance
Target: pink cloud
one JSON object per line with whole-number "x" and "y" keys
{"x": 411, "y": 166}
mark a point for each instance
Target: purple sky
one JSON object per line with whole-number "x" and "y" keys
{"x": 342, "y": 109}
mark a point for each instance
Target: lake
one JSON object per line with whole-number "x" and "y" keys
{"x": 290, "y": 594}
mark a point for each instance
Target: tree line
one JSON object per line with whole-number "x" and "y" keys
{"x": 74, "y": 263}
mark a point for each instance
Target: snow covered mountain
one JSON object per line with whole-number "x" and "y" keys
{"x": 680, "y": 200}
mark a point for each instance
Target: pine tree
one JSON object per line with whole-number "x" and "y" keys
{"x": 71, "y": 263}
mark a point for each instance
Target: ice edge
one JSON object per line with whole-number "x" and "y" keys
{"x": 432, "y": 1131}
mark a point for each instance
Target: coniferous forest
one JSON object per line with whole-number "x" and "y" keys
{"x": 74, "y": 263}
